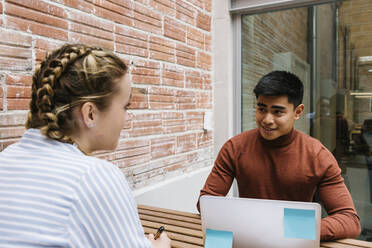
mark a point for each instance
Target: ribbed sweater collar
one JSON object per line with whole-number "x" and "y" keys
{"x": 282, "y": 141}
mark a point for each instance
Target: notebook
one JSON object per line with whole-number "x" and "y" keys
{"x": 262, "y": 223}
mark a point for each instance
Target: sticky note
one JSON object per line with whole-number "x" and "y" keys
{"x": 218, "y": 239}
{"x": 299, "y": 223}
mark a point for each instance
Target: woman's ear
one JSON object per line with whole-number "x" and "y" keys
{"x": 298, "y": 111}
{"x": 88, "y": 112}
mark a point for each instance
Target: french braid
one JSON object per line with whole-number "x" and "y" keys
{"x": 67, "y": 77}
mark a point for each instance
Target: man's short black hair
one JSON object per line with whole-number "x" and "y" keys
{"x": 281, "y": 83}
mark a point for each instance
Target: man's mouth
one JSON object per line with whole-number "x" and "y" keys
{"x": 268, "y": 129}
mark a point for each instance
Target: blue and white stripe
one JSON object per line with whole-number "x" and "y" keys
{"x": 52, "y": 195}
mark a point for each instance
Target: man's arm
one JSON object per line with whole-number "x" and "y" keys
{"x": 222, "y": 175}
{"x": 342, "y": 220}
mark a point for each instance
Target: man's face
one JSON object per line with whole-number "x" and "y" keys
{"x": 275, "y": 116}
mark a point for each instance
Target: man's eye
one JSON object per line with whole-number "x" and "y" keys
{"x": 278, "y": 112}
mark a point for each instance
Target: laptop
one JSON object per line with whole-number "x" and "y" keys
{"x": 262, "y": 223}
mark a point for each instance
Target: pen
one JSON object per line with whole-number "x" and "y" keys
{"x": 160, "y": 230}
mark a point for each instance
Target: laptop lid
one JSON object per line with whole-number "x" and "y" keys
{"x": 262, "y": 223}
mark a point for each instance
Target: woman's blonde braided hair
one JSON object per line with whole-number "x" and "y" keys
{"x": 66, "y": 78}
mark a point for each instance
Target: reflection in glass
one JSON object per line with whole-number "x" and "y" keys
{"x": 329, "y": 47}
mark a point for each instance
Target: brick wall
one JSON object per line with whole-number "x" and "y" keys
{"x": 263, "y": 36}
{"x": 168, "y": 43}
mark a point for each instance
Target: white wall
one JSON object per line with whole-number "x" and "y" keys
{"x": 180, "y": 193}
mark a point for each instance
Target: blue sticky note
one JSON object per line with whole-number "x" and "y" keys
{"x": 218, "y": 239}
{"x": 299, "y": 223}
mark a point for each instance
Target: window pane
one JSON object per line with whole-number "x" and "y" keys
{"x": 329, "y": 47}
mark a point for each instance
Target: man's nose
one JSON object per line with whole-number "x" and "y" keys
{"x": 268, "y": 119}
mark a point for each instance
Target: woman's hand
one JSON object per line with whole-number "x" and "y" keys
{"x": 162, "y": 242}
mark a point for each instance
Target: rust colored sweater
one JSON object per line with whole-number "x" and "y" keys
{"x": 290, "y": 168}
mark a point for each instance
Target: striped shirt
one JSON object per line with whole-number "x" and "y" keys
{"x": 52, "y": 195}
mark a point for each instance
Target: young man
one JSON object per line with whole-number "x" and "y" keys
{"x": 276, "y": 161}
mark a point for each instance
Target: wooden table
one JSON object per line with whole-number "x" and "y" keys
{"x": 184, "y": 229}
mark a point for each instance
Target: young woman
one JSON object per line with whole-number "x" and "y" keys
{"x": 52, "y": 193}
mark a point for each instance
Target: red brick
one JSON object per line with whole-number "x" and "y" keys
{"x": 18, "y": 104}
{"x": 161, "y": 102}
{"x": 174, "y": 29}
{"x": 145, "y": 79}
{"x": 172, "y": 115}
{"x": 194, "y": 80}
{"x": 41, "y": 7}
{"x": 173, "y": 76}
{"x": 146, "y": 19}
{"x": 145, "y": 131}
{"x": 37, "y": 16}
{"x": 186, "y": 143}
{"x": 195, "y": 38}
{"x": 204, "y": 100}
{"x": 146, "y": 116}
{"x": 205, "y": 139}
{"x": 162, "y": 49}
{"x": 18, "y": 92}
{"x": 162, "y": 147}
{"x": 90, "y": 31}
{"x": 44, "y": 46}
{"x": 131, "y": 42}
{"x": 185, "y": 12}
{"x": 208, "y": 42}
{"x": 120, "y": 154}
{"x": 203, "y": 21}
{"x": 167, "y": 7}
{"x": 91, "y": 40}
{"x": 138, "y": 101}
{"x": 147, "y": 123}
{"x": 130, "y": 144}
{"x": 162, "y": 98}
{"x": 80, "y": 5}
{"x": 126, "y": 162}
{"x": 146, "y": 72}
{"x": 104, "y": 9}
{"x": 174, "y": 122}
{"x": 15, "y": 64}
{"x": 208, "y": 5}
{"x": 12, "y": 119}
{"x": 12, "y": 38}
{"x": 197, "y": 3}
{"x": 185, "y": 55}
{"x": 204, "y": 61}
{"x": 195, "y": 120}
{"x": 174, "y": 129}
{"x": 138, "y": 63}
{"x": 78, "y": 17}
{"x": 15, "y": 52}
{"x": 1, "y": 8}
{"x": 207, "y": 82}
{"x": 161, "y": 91}
{"x": 11, "y": 132}
{"x": 35, "y": 28}
{"x": 117, "y": 11}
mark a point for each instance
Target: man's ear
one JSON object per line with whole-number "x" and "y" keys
{"x": 89, "y": 114}
{"x": 298, "y": 111}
